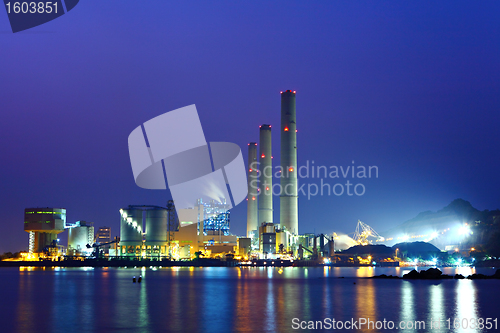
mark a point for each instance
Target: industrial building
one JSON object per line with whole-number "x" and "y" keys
{"x": 267, "y": 238}
{"x": 80, "y": 234}
{"x": 157, "y": 232}
{"x": 103, "y": 235}
{"x": 43, "y": 226}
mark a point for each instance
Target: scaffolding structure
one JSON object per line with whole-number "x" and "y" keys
{"x": 363, "y": 233}
{"x": 215, "y": 217}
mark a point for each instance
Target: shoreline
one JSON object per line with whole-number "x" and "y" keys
{"x": 200, "y": 263}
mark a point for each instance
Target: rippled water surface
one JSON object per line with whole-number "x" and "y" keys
{"x": 236, "y": 299}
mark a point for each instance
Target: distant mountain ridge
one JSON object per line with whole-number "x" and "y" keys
{"x": 459, "y": 207}
{"x": 457, "y": 213}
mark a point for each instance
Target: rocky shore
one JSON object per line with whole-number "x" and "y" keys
{"x": 436, "y": 274}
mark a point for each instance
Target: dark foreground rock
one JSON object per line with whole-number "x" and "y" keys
{"x": 383, "y": 276}
{"x": 436, "y": 274}
{"x": 430, "y": 274}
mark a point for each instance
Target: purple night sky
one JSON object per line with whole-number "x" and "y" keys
{"x": 410, "y": 87}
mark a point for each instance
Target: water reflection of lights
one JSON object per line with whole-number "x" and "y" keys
{"x": 365, "y": 300}
{"x": 243, "y": 310}
{"x": 327, "y": 300}
{"x": 143, "y": 309}
{"x": 407, "y": 312}
{"x": 25, "y": 305}
{"x": 365, "y": 271}
{"x": 437, "y": 313}
{"x": 466, "y": 304}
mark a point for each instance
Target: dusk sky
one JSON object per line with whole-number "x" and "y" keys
{"x": 412, "y": 87}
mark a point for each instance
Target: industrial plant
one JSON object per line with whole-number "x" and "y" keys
{"x": 157, "y": 233}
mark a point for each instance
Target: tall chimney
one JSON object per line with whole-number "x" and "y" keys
{"x": 253, "y": 185}
{"x": 265, "y": 176}
{"x": 288, "y": 199}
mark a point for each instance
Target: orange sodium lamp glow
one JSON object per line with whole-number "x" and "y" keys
{"x": 291, "y": 169}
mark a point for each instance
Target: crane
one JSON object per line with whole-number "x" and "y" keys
{"x": 97, "y": 251}
{"x": 363, "y": 232}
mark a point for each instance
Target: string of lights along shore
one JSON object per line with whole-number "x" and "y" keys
{"x": 260, "y": 197}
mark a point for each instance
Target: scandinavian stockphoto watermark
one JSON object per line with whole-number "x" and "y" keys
{"x": 171, "y": 149}
{"x": 315, "y": 180}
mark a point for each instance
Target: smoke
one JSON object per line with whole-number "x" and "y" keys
{"x": 343, "y": 242}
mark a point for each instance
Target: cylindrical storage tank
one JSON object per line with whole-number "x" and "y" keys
{"x": 253, "y": 193}
{"x": 156, "y": 226}
{"x": 289, "y": 213}
{"x": 265, "y": 176}
{"x": 78, "y": 238}
{"x": 131, "y": 226}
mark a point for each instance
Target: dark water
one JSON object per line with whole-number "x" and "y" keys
{"x": 234, "y": 299}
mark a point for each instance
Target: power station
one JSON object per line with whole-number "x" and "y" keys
{"x": 157, "y": 232}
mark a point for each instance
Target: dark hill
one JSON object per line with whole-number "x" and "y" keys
{"x": 422, "y": 250}
{"x": 374, "y": 250}
{"x": 416, "y": 247}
